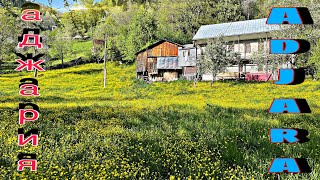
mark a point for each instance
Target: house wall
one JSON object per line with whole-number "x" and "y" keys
{"x": 236, "y": 38}
{"x": 159, "y": 59}
{"x": 152, "y": 65}
{"x": 189, "y": 70}
{"x": 248, "y": 48}
{"x": 164, "y": 49}
{"x": 141, "y": 61}
{"x": 187, "y": 57}
{"x": 246, "y": 45}
{"x": 170, "y": 76}
{"x": 189, "y": 73}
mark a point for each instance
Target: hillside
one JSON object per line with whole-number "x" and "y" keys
{"x": 155, "y": 131}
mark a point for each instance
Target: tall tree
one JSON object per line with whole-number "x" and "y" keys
{"x": 140, "y": 32}
{"x": 179, "y": 20}
{"x": 249, "y": 9}
{"x": 217, "y": 57}
{"x": 310, "y": 33}
{"x": 61, "y": 44}
{"x": 8, "y": 35}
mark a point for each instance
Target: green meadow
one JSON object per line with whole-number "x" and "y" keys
{"x": 134, "y": 130}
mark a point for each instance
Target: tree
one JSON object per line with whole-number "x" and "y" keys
{"x": 108, "y": 27}
{"x": 222, "y": 11}
{"x": 61, "y": 44}
{"x": 179, "y": 20}
{"x": 249, "y": 9}
{"x": 311, "y": 33}
{"x": 314, "y": 62}
{"x": 140, "y": 31}
{"x": 8, "y": 36}
{"x": 217, "y": 57}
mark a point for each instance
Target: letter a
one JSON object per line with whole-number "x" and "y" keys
{"x": 29, "y": 90}
{"x": 281, "y": 165}
{"x": 35, "y": 16}
{"x": 289, "y": 106}
{"x": 290, "y": 76}
{"x": 289, "y": 165}
{"x": 289, "y": 15}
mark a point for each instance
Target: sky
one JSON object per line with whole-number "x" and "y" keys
{"x": 58, "y": 4}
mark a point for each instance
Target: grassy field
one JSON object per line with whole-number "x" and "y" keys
{"x": 79, "y": 49}
{"x": 170, "y": 130}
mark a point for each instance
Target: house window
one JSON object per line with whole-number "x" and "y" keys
{"x": 202, "y": 50}
{"x": 186, "y": 53}
{"x": 248, "y": 48}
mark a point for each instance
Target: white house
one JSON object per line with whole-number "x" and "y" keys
{"x": 245, "y": 37}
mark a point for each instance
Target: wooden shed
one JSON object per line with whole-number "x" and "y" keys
{"x": 159, "y": 62}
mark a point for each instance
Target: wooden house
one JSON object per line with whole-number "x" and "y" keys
{"x": 159, "y": 62}
{"x": 244, "y": 37}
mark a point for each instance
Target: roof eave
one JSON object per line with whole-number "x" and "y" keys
{"x": 197, "y": 39}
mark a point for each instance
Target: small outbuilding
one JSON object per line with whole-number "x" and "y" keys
{"x": 159, "y": 62}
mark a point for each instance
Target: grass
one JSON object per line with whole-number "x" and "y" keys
{"x": 153, "y": 131}
{"x": 79, "y": 49}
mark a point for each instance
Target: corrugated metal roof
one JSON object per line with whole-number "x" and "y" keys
{"x": 234, "y": 29}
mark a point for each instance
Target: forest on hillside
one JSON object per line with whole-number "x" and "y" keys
{"x": 133, "y": 24}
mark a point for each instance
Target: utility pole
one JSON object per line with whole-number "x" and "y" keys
{"x": 105, "y": 61}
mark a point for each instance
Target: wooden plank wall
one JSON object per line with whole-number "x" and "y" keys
{"x": 141, "y": 61}
{"x": 164, "y": 49}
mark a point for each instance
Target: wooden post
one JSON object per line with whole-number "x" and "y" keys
{"x": 93, "y": 46}
{"x": 266, "y": 57}
{"x": 105, "y": 61}
{"x": 239, "y": 57}
{"x": 197, "y": 65}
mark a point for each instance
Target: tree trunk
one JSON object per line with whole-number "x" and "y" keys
{"x": 213, "y": 77}
{"x": 62, "y": 59}
{"x": 105, "y": 62}
{"x": 211, "y": 83}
